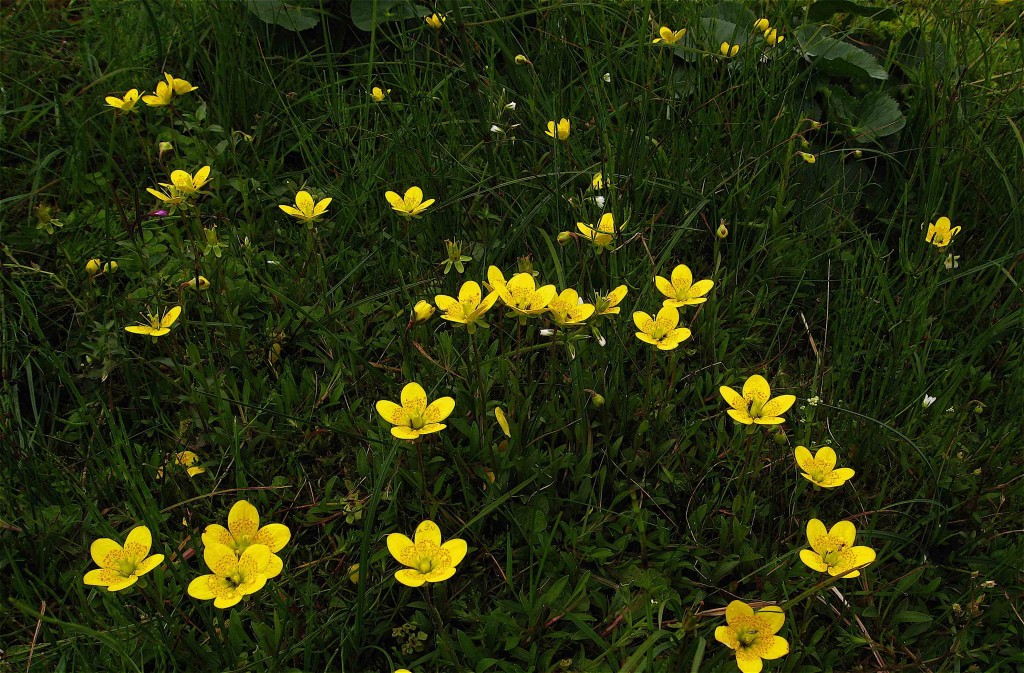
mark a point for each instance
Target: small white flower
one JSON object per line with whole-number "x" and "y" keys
{"x": 601, "y": 341}
{"x": 928, "y": 399}
{"x": 599, "y": 200}
{"x": 496, "y": 129}
{"x": 547, "y": 332}
{"x": 511, "y": 106}
{"x": 988, "y": 584}
{"x": 813, "y": 401}
{"x": 951, "y": 261}
{"x": 607, "y": 77}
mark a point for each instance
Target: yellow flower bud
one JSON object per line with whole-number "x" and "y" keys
{"x": 92, "y": 267}
{"x": 422, "y": 311}
{"x": 522, "y": 60}
{"x": 564, "y": 237}
{"x": 729, "y": 50}
{"x": 808, "y": 157}
{"x": 762, "y": 25}
{"x": 815, "y": 125}
{"x": 597, "y": 399}
{"x": 722, "y": 231}
{"x": 110, "y": 267}
{"x": 772, "y": 37}
{"x": 353, "y": 573}
{"x": 857, "y": 154}
{"x": 200, "y": 283}
{"x": 165, "y": 148}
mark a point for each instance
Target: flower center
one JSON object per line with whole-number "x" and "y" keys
{"x": 818, "y": 474}
{"x": 127, "y": 566}
{"x": 755, "y": 408}
{"x": 425, "y": 566}
{"x": 747, "y": 636}
{"x": 416, "y": 422}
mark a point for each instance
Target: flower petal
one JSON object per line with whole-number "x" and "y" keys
{"x": 665, "y": 287}
{"x": 737, "y": 610}
{"x": 701, "y": 288}
{"x": 804, "y": 458}
{"x": 413, "y": 197}
{"x": 778, "y": 647}
{"x": 403, "y": 432}
{"x": 101, "y": 549}
{"x": 201, "y": 176}
{"x": 410, "y": 578}
{"x": 813, "y": 560}
{"x": 816, "y": 533}
{"x": 740, "y": 416}
{"x": 439, "y": 409}
{"x": 470, "y": 293}
{"x": 220, "y": 559}
{"x": 756, "y": 389}
{"x": 414, "y": 398}
{"x": 393, "y": 413}
{"x": 243, "y": 519}
{"x": 682, "y": 279}
{"x": 778, "y": 405}
{"x": 775, "y": 618}
{"x": 395, "y": 200}
{"x": 148, "y": 564}
{"x": 845, "y": 531}
{"x": 668, "y": 317}
{"x": 169, "y": 317}
{"x": 825, "y": 456}
{"x": 99, "y": 577}
{"x": 733, "y": 398}
{"x": 294, "y": 212}
{"x": 428, "y": 531}
{"x": 456, "y": 548}
{"x": 304, "y": 202}
{"x": 440, "y": 575}
{"x": 138, "y": 542}
{"x": 123, "y": 584}
{"x": 727, "y": 637}
{"x": 837, "y": 477}
{"x": 397, "y": 544}
{"x": 274, "y": 535}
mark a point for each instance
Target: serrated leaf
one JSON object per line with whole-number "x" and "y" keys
{"x": 368, "y": 13}
{"x": 877, "y": 116}
{"x": 279, "y": 13}
{"x": 824, "y": 9}
{"x": 837, "y": 57}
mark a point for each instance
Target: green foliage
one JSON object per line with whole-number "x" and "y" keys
{"x": 626, "y": 510}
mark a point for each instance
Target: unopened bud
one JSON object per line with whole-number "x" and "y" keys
{"x": 857, "y": 154}
{"x": 353, "y": 573}
{"x": 422, "y": 311}
{"x": 780, "y": 437}
{"x": 165, "y": 148}
{"x": 564, "y": 237}
{"x": 522, "y": 60}
{"x": 723, "y": 231}
{"x": 200, "y": 283}
{"x": 597, "y": 399}
{"x": 92, "y": 267}
{"x": 110, "y": 267}
{"x": 815, "y": 125}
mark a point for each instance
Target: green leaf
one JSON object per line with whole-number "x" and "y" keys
{"x": 911, "y": 617}
{"x": 824, "y": 9}
{"x": 368, "y": 13}
{"x": 837, "y": 57}
{"x": 732, "y": 12}
{"x": 877, "y": 116}
{"x": 279, "y": 13}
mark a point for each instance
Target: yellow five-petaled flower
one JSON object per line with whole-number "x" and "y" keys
{"x": 756, "y": 405}
{"x": 521, "y": 293}
{"x": 234, "y": 577}
{"x": 378, "y": 94}
{"x": 186, "y": 183}
{"x": 681, "y": 290}
{"x": 415, "y": 417}
{"x": 410, "y": 205}
{"x": 305, "y": 210}
{"x": 603, "y": 235}
{"x": 436, "y": 21}
{"x": 157, "y": 326}
{"x": 609, "y": 304}
{"x": 568, "y": 310}
{"x": 832, "y": 551}
{"x": 820, "y": 469}
{"x": 469, "y": 308}
{"x": 559, "y": 130}
{"x": 940, "y": 234}
{"x": 663, "y": 331}
{"x": 167, "y": 90}
{"x": 668, "y": 36}
{"x": 752, "y": 635}
{"x": 120, "y": 567}
{"x": 244, "y": 530}
{"x": 126, "y": 104}
{"x": 729, "y": 50}
{"x": 426, "y": 559}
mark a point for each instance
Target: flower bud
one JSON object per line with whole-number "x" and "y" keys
{"x": 780, "y": 437}
{"x": 92, "y": 267}
{"x": 857, "y": 154}
{"x": 597, "y": 399}
{"x": 522, "y": 60}
{"x": 511, "y": 106}
{"x": 564, "y": 237}
{"x": 165, "y": 148}
{"x": 353, "y": 573}
{"x": 422, "y": 311}
{"x": 815, "y": 125}
{"x": 762, "y": 25}
{"x": 723, "y": 231}
{"x": 200, "y": 283}
{"x": 807, "y": 156}
{"x": 110, "y": 267}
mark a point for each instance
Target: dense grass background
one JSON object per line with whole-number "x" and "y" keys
{"x": 610, "y": 531}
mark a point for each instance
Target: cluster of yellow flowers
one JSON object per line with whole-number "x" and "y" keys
{"x": 728, "y": 50}
{"x": 164, "y": 95}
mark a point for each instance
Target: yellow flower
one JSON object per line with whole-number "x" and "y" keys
{"x": 819, "y": 468}
{"x": 499, "y": 415}
{"x": 415, "y": 417}
{"x": 772, "y": 37}
{"x": 729, "y": 50}
{"x": 244, "y": 531}
{"x": 403, "y": 670}
{"x": 436, "y": 21}
{"x": 560, "y": 131}
{"x": 568, "y": 310}
{"x": 522, "y": 60}
{"x": 832, "y": 551}
{"x": 609, "y": 305}
{"x": 752, "y": 635}
{"x": 597, "y": 182}
{"x": 233, "y": 577}
{"x": 379, "y": 94}
{"x": 662, "y": 332}
{"x": 110, "y": 267}
{"x": 939, "y": 234}
{"x": 754, "y": 405}
{"x": 668, "y": 36}
{"x": 120, "y": 567}
{"x": 172, "y": 198}
{"x": 469, "y": 308}
{"x": 166, "y": 90}
{"x": 126, "y": 104}
{"x": 422, "y": 311}
{"x": 603, "y": 235}
{"x": 807, "y": 156}
{"x": 188, "y": 460}
{"x": 304, "y": 209}
{"x": 185, "y": 183}
{"x": 762, "y": 25}
{"x": 157, "y": 326}
{"x": 682, "y": 291}
{"x": 93, "y": 266}
{"x": 426, "y": 559}
{"x": 410, "y": 205}
{"x": 521, "y": 293}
